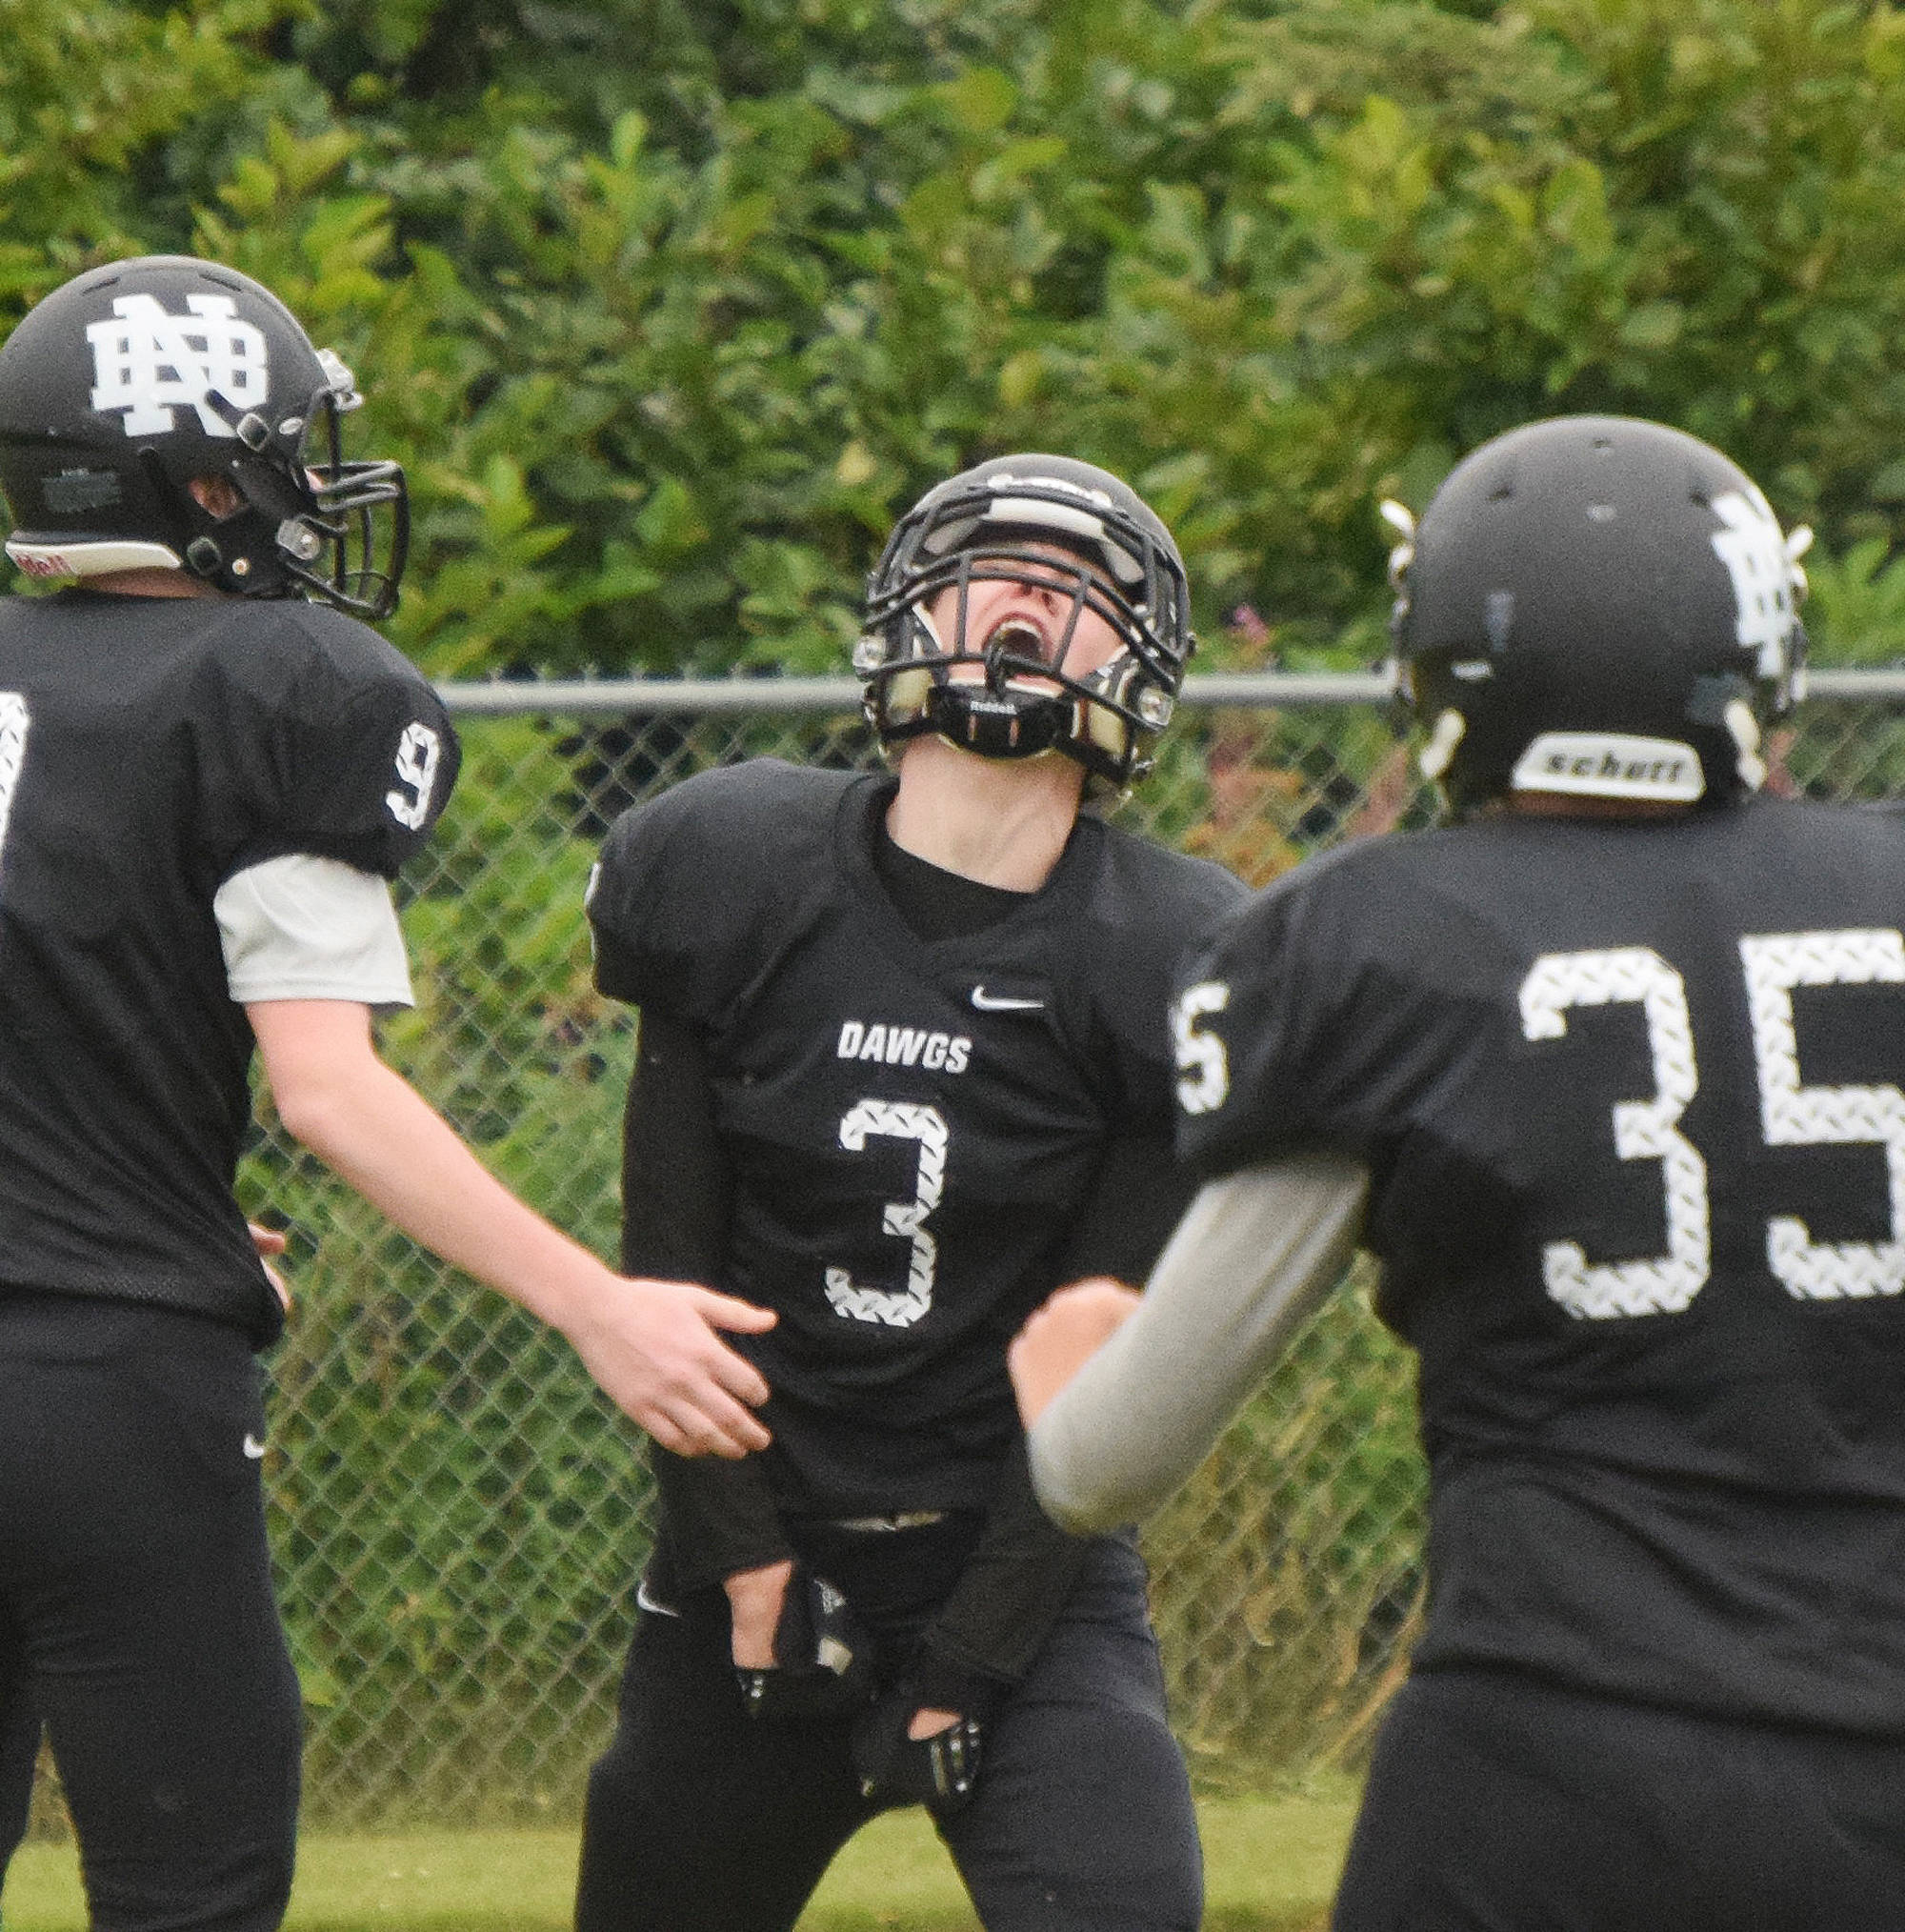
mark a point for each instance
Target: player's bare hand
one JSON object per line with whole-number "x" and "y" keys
{"x": 928, "y": 1722}
{"x": 268, "y": 1241}
{"x": 1059, "y": 1335}
{"x": 755, "y": 1600}
{"x": 655, "y": 1350}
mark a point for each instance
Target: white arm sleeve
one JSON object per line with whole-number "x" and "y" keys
{"x": 306, "y": 928}
{"x": 1253, "y": 1255}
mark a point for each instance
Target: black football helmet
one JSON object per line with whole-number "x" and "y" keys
{"x": 1050, "y": 523}
{"x": 1596, "y": 605}
{"x": 128, "y": 381}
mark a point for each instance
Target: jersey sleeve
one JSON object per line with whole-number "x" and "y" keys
{"x": 1149, "y": 905}
{"x": 304, "y": 928}
{"x": 1292, "y": 1032}
{"x": 1014, "y": 1588}
{"x": 677, "y": 1182}
{"x": 327, "y": 741}
{"x": 688, "y": 883}
{"x": 374, "y": 781}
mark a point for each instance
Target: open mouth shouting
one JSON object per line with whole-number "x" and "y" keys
{"x": 1019, "y": 637}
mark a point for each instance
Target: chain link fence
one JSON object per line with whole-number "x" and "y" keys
{"x": 460, "y": 1520}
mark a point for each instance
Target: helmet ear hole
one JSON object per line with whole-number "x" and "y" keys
{"x": 1744, "y": 729}
{"x": 909, "y": 694}
{"x": 217, "y": 495}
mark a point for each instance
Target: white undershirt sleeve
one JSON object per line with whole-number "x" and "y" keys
{"x": 306, "y": 928}
{"x": 1252, "y": 1257}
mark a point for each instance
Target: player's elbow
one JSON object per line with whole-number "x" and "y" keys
{"x": 1096, "y": 1513}
{"x": 332, "y": 1108}
{"x": 1074, "y": 1496}
{"x": 322, "y": 1068}
{"x": 317, "y": 1114}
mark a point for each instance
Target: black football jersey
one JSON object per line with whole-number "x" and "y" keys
{"x": 911, "y": 1125}
{"x": 150, "y": 748}
{"x": 1633, "y": 1101}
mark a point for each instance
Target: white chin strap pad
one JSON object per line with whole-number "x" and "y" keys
{"x": 90, "y": 558}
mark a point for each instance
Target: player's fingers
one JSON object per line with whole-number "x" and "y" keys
{"x": 662, "y": 1427}
{"x": 728, "y": 1310}
{"x": 265, "y": 1240}
{"x": 737, "y": 1431}
{"x": 1098, "y": 1293}
{"x": 714, "y": 1404}
{"x": 1089, "y": 1308}
{"x": 730, "y": 1432}
{"x": 738, "y": 1378}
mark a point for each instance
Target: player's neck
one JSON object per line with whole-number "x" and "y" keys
{"x": 1582, "y": 805}
{"x": 1003, "y": 822}
{"x": 149, "y": 581}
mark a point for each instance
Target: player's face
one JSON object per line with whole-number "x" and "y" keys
{"x": 1046, "y": 620}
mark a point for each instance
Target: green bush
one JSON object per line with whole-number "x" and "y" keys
{"x": 669, "y": 309}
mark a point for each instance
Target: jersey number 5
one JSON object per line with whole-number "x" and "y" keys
{"x": 1790, "y": 1115}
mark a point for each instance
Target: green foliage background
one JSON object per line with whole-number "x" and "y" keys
{"x": 670, "y": 305}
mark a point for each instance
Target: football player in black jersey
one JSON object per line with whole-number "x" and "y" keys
{"x": 208, "y": 770}
{"x": 1610, "y": 1075}
{"x": 902, "y": 1071}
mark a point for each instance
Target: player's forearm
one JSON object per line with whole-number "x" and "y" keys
{"x": 717, "y": 1519}
{"x": 1013, "y": 1589}
{"x": 385, "y": 1139}
{"x": 374, "y": 1131}
{"x": 1252, "y": 1258}
{"x": 651, "y": 1345}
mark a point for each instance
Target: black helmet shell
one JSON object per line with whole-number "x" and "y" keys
{"x": 128, "y": 382}
{"x": 1598, "y": 604}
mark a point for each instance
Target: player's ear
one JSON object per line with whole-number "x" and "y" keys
{"x": 216, "y": 495}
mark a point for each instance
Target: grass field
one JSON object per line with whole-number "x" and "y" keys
{"x": 1271, "y": 1862}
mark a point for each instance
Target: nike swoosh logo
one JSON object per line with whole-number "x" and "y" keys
{"x": 644, "y": 1601}
{"x": 1000, "y": 1003}
{"x": 254, "y": 1448}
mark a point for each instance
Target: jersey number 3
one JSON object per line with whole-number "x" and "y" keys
{"x": 1790, "y": 1116}
{"x": 903, "y": 1120}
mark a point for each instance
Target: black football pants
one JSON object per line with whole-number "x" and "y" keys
{"x": 137, "y": 1615}
{"x": 1498, "y": 1805}
{"x": 701, "y": 1818}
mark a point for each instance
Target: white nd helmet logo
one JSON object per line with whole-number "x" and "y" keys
{"x": 1760, "y": 565}
{"x": 149, "y": 363}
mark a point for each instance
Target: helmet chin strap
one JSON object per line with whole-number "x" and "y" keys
{"x": 994, "y": 657}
